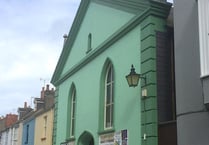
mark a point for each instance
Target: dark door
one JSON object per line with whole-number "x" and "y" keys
{"x": 91, "y": 141}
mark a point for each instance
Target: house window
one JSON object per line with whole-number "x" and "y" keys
{"x": 89, "y": 43}
{"x": 203, "y": 15}
{"x": 72, "y": 114}
{"x": 44, "y": 128}
{"x": 27, "y": 134}
{"x": 7, "y": 136}
{"x": 108, "y": 102}
{"x": 15, "y": 136}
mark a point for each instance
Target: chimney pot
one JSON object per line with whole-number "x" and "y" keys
{"x": 42, "y": 93}
{"x": 65, "y": 38}
{"x": 47, "y": 87}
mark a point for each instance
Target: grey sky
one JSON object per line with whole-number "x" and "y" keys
{"x": 30, "y": 42}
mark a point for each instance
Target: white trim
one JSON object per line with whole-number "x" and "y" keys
{"x": 203, "y": 17}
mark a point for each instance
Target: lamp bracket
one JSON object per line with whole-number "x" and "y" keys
{"x": 144, "y": 78}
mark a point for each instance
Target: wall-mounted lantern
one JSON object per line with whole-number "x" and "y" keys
{"x": 133, "y": 77}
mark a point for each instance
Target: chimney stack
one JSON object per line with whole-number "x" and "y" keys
{"x": 25, "y": 105}
{"x": 42, "y": 93}
{"x": 47, "y": 87}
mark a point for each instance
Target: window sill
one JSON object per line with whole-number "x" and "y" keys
{"x": 43, "y": 138}
{"x": 70, "y": 139}
{"x": 88, "y": 51}
{"x": 106, "y": 131}
{"x": 204, "y": 77}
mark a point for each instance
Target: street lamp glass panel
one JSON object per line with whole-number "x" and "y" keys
{"x": 133, "y": 80}
{"x": 133, "y": 77}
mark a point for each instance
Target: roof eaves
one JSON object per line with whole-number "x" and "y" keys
{"x": 70, "y": 40}
{"x": 130, "y": 6}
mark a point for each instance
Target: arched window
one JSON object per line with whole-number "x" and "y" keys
{"x": 72, "y": 113}
{"x": 108, "y": 102}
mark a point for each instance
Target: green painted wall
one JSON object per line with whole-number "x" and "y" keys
{"x": 87, "y": 82}
{"x": 101, "y": 22}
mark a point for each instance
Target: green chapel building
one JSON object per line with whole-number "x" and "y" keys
{"x": 94, "y": 104}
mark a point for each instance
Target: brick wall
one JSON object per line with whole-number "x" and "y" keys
{"x": 10, "y": 119}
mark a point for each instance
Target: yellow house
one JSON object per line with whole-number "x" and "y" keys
{"x": 19, "y": 133}
{"x": 44, "y": 127}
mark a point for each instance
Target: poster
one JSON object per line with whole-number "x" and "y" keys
{"x": 121, "y": 138}
{"x": 124, "y": 137}
{"x": 117, "y": 138}
{"x": 71, "y": 143}
{"x": 107, "y": 139}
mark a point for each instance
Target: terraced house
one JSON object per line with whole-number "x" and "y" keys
{"x": 93, "y": 101}
{"x": 37, "y": 125}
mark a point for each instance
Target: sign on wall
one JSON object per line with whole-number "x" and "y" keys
{"x": 68, "y": 143}
{"x": 121, "y": 138}
{"x": 117, "y": 138}
{"x": 106, "y": 139}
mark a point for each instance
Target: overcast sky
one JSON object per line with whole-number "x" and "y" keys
{"x": 31, "y": 41}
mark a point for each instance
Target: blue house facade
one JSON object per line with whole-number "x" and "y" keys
{"x": 28, "y": 132}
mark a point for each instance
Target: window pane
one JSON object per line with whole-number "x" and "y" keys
{"x": 72, "y": 127}
{"x": 112, "y": 76}
{"x": 111, "y": 115}
{"x": 112, "y": 89}
{"x": 108, "y": 114}
{"x": 109, "y": 75}
{"x": 73, "y": 110}
{"x": 108, "y": 97}
{"x": 73, "y": 96}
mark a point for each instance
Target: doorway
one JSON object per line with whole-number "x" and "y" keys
{"x": 86, "y": 139}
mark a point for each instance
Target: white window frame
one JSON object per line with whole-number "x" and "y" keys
{"x": 111, "y": 103}
{"x": 203, "y": 18}
{"x": 15, "y": 135}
